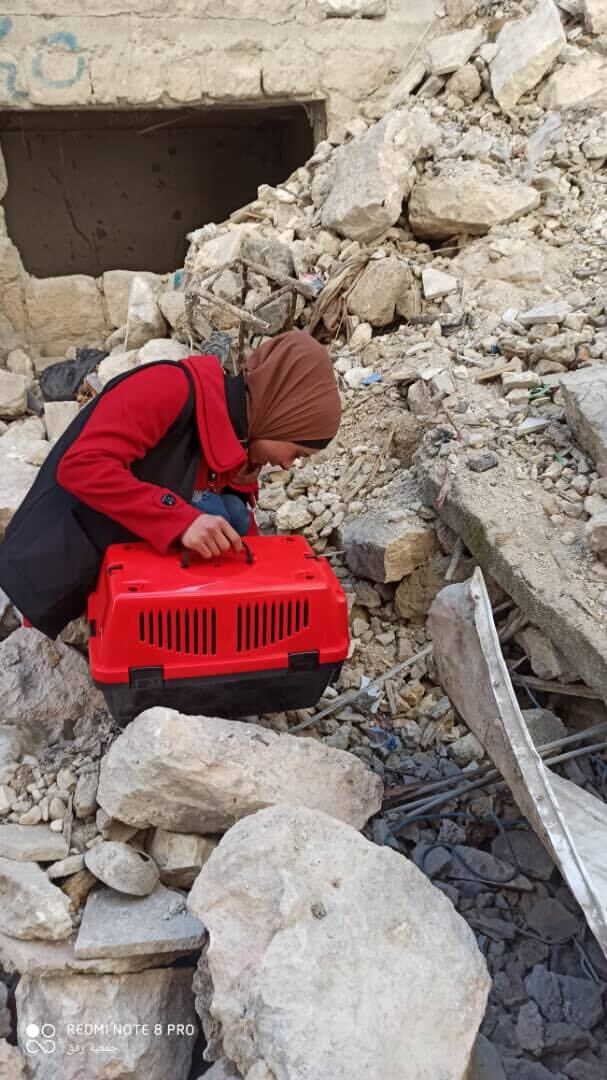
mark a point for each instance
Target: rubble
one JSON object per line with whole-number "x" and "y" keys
{"x": 285, "y": 882}
{"x": 220, "y": 770}
{"x": 378, "y": 291}
{"x": 58, "y": 415}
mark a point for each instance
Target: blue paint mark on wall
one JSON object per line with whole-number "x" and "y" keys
{"x": 62, "y": 40}
{"x": 6, "y": 25}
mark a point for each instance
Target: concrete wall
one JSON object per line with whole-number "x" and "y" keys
{"x": 108, "y": 52}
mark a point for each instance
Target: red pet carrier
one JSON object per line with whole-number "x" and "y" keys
{"x": 262, "y": 631}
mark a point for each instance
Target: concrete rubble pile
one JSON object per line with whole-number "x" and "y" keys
{"x": 208, "y": 872}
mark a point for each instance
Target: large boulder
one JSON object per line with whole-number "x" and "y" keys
{"x": 201, "y": 774}
{"x": 525, "y": 51}
{"x": 332, "y": 957}
{"x": 133, "y": 1017}
{"x": 467, "y": 197}
{"x": 65, "y": 311}
{"x": 373, "y": 174}
{"x": 45, "y": 688}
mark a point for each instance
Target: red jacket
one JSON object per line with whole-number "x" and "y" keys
{"x": 131, "y": 419}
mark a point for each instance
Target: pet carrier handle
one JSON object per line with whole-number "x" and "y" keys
{"x": 185, "y": 556}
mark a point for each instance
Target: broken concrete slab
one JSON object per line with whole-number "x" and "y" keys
{"x": 114, "y": 925}
{"x": 585, "y": 397}
{"x": 570, "y": 821}
{"x": 548, "y": 587}
{"x": 525, "y": 51}
{"x": 467, "y": 197}
{"x": 201, "y": 774}
{"x": 32, "y": 907}
{"x": 382, "y": 549}
{"x": 552, "y": 311}
{"x": 449, "y": 52}
{"x": 134, "y": 1019}
{"x": 302, "y": 912}
{"x": 372, "y": 174}
{"x": 31, "y": 843}
{"x": 57, "y": 957}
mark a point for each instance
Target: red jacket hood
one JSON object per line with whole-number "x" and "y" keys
{"x": 220, "y": 446}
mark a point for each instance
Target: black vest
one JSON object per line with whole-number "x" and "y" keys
{"x": 53, "y": 547}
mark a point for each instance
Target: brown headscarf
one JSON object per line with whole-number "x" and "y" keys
{"x": 291, "y": 390}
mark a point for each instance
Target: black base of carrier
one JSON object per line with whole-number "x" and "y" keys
{"x": 241, "y": 694}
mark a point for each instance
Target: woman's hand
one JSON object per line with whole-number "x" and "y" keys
{"x": 210, "y": 536}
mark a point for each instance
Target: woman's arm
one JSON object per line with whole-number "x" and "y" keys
{"x": 127, "y": 422}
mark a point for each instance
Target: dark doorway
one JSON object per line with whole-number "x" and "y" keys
{"x": 90, "y": 191}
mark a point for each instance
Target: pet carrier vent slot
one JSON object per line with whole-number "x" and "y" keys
{"x": 266, "y": 623}
{"x": 191, "y": 631}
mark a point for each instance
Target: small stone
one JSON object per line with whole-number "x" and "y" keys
{"x": 543, "y": 726}
{"x": 180, "y": 856}
{"x": 13, "y": 394}
{"x": 31, "y": 817}
{"x": 530, "y": 854}
{"x": 547, "y": 662}
{"x": 293, "y": 515}
{"x": 520, "y": 380}
{"x": 466, "y": 750}
{"x": 85, "y": 795}
{"x": 122, "y": 868}
{"x": 64, "y": 867}
{"x": 66, "y": 781}
{"x": 58, "y": 415}
{"x": 552, "y": 921}
{"x": 530, "y": 1028}
{"x": 56, "y": 826}
{"x": 596, "y": 533}
{"x": 465, "y": 84}
{"x": 56, "y": 809}
{"x": 437, "y": 284}
{"x": 482, "y": 462}
{"x": 385, "y": 550}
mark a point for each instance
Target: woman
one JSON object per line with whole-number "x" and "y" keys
{"x": 167, "y": 453}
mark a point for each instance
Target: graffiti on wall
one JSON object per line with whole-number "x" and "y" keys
{"x": 60, "y": 41}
